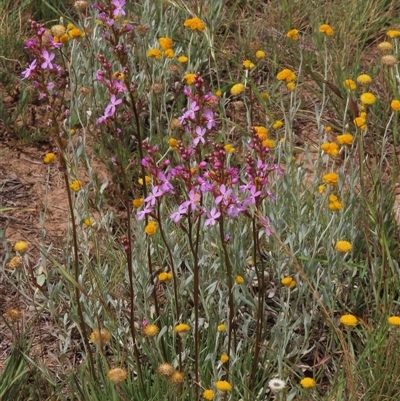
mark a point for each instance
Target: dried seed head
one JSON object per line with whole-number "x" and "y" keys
{"x": 13, "y": 314}
{"x": 165, "y": 369}
{"x": 389, "y": 60}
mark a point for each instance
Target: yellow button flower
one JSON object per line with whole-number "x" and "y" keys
{"x": 343, "y": 246}
{"x": 183, "y": 59}
{"x": 151, "y": 228}
{"x": 165, "y": 43}
{"x": 331, "y": 178}
{"x": 345, "y": 139}
{"x": 368, "y": 98}
{"x": 190, "y": 78}
{"x": 182, "y": 328}
{"x": 195, "y": 24}
{"x": 49, "y": 158}
{"x": 394, "y": 320}
{"x": 154, "y": 53}
{"x": 307, "y": 382}
{"x": 21, "y": 247}
{"x": 208, "y": 395}
{"x": 364, "y": 79}
{"x": 331, "y": 148}
{"x": 350, "y": 84}
{"x": 349, "y": 320}
{"x": 76, "y": 185}
{"x": 223, "y": 385}
{"x": 288, "y": 282}
{"x": 138, "y": 202}
{"x": 237, "y": 89}
{"x": 293, "y": 34}
{"x": 221, "y": 327}
{"x": 150, "y": 330}
{"x": 239, "y": 280}
{"x": 260, "y": 54}
{"x": 395, "y": 105}
{"x": 326, "y": 29}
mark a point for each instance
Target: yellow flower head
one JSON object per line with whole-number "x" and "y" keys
{"x": 331, "y": 178}
{"x": 165, "y": 43}
{"x": 221, "y": 327}
{"x": 137, "y": 202}
{"x": 321, "y": 189}
{"x": 176, "y": 377}
{"x": 286, "y": 75}
{"x": 165, "y": 369}
{"x": 334, "y": 203}
{"x": 326, "y": 29}
{"x": 224, "y": 358}
{"x": 265, "y": 95}
{"x": 237, "y": 89}
{"x": 260, "y": 54}
{"x": 288, "y": 282}
{"x": 229, "y": 148}
{"x": 331, "y": 148}
{"x": 395, "y": 105}
{"x": 117, "y": 375}
{"x": 173, "y": 143}
{"x": 262, "y": 132}
{"x": 218, "y": 93}
{"x": 15, "y": 262}
{"x": 307, "y": 382}
{"x": 75, "y": 33}
{"x": 223, "y": 385}
{"x": 100, "y": 337}
{"x": 76, "y": 185}
{"x": 350, "y": 84}
{"x": 291, "y": 86}
{"x": 277, "y": 124}
{"x": 147, "y": 179}
{"x": 248, "y": 65}
{"x": 165, "y": 276}
{"x": 208, "y": 395}
{"x": 182, "y": 328}
{"x": 195, "y": 24}
{"x": 88, "y": 222}
{"x": 183, "y": 59}
{"x": 394, "y": 320}
{"x": 293, "y": 34}
{"x": 368, "y": 98}
{"x": 21, "y": 247}
{"x": 150, "y": 330}
{"x": 190, "y": 78}
{"x": 364, "y": 79}
{"x": 239, "y": 280}
{"x": 385, "y": 46}
{"x": 151, "y": 228}
{"x": 49, "y": 157}
{"x": 154, "y": 53}
{"x": 360, "y": 122}
{"x": 349, "y": 320}
{"x": 268, "y": 143}
{"x": 393, "y": 33}
{"x": 343, "y": 246}
{"x": 345, "y": 139}
{"x": 169, "y": 53}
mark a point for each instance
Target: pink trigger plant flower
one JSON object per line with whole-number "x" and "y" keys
{"x": 29, "y": 71}
{"x": 118, "y": 11}
{"x": 47, "y": 57}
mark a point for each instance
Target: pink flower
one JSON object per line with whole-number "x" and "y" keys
{"x": 110, "y": 109}
{"x": 212, "y": 217}
{"x": 48, "y": 57}
{"x": 119, "y": 11}
{"x": 28, "y": 72}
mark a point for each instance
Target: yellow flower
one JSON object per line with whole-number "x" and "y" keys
{"x": 385, "y": 46}
{"x": 286, "y": 75}
{"x": 88, "y": 222}
{"x": 165, "y": 276}
{"x": 221, "y": 327}
{"x": 195, "y": 24}
{"x": 138, "y": 202}
{"x": 331, "y": 148}
{"x": 394, "y": 320}
{"x": 173, "y": 143}
{"x": 237, "y": 89}
{"x": 268, "y": 143}
{"x": 49, "y": 157}
{"x": 291, "y": 86}
{"x": 307, "y": 382}
{"x": 208, "y": 395}
{"x": 72, "y": 132}
{"x": 75, "y": 33}
{"x": 177, "y": 377}
{"x": 288, "y": 282}
{"x": 260, "y": 54}
{"x": 368, "y": 98}
{"x": 350, "y": 84}
{"x": 76, "y": 185}
{"x": 183, "y": 59}
{"x": 343, "y": 246}
{"x": 293, "y": 34}
{"x": 21, "y": 247}
{"x": 345, "y": 139}
{"x": 64, "y": 38}
{"x": 151, "y": 228}
{"x": 224, "y": 358}
{"x": 229, "y": 148}
{"x": 239, "y": 280}
{"x": 331, "y": 178}
{"x": 165, "y": 369}
{"x": 100, "y": 337}
{"x": 321, "y": 189}
{"x": 117, "y": 375}
{"x": 364, "y": 79}
{"x": 165, "y": 43}
{"x": 393, "y": 33}
{"x": 248, "y": 65}
{"x": 147, "y": 179}
{"x": 328, "y": 128}
{"x": 218, "y": 93}
{"x": 15, "y": 262}
{"x": 190, "y": 78}
{"x": 265, "y": 95}
{"x": 223, "y": 385}
{"x": 182, "y": 328}
{"x": 262, "y": 132}
{"x": 326, "y": 29}
{"x": 169, "y": 53}
{"x": 349, "y": 320}
{"x": 360, "y": 122}
{"x": 13, "y": 314}
{"x": 277, "y": 124}
{"x": 334, "y": 203}
{"x": 395, "y": 105}
{"x": 154, "y": 53}
{"x": 150, "y": 330}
